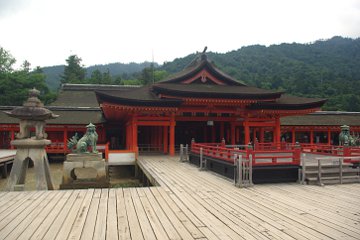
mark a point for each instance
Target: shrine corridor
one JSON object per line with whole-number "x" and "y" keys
{"x": 188, "y": 204}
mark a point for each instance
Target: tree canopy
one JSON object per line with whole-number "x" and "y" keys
{"x": 14, "y": 84}
{"x": 74, "y": 72}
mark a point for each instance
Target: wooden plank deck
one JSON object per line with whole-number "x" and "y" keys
{"x": 188, "y": 204}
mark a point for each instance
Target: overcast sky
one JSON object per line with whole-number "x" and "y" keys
{"x": 46, "y": 32}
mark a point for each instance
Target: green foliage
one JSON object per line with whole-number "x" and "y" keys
{"x": 14, "y": 84}
{"x": 118, "y": 71}
{"x": 74, "y": 72}
{"x": 6, "y": 61}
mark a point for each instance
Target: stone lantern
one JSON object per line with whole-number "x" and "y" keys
{"x": 31, "y": 114}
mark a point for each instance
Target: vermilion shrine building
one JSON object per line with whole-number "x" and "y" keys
{"x": 200, "y": 103}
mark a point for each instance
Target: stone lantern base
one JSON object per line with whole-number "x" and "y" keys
{"x": 35, "y": 150}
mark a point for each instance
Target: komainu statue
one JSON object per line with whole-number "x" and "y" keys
{"x": 346, "y": 139}
{"x": 86, "y": 144}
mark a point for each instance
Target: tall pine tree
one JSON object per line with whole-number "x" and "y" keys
{"x": 74, "y": 72}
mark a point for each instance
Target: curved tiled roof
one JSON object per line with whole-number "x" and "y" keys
{"x": 137, "y": 97}
{"x": 199, "y": 63}
{"x": 214, "y": 91}
{"x": 287, "y": 102}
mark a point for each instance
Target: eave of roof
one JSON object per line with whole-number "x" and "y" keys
{"x": 214, "y": 91}
{"x": 137, "y": 97}
{"x": 287, "y": 102}
{"x": 323, "y": 118}
{"x": 67, "y": 116}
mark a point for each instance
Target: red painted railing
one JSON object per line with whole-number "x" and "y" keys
{"x": 259, "y": 157}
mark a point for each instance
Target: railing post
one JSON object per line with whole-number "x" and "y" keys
{"x": 303, "y": 168}
{"x": 250, "y": 170}
{"x": 249, "y": 151}
{"x": 341, "y": 170}
{"x": 236, "y": 179}
{"x": 297, "y": 153}
{"x": 181, "y": 152}
{"x": 192, "y": 142}
{"x": 201, "y": 159}
{"x": 319, "y": 173}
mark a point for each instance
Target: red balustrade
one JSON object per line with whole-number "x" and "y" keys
{"x": 259, "y": 157}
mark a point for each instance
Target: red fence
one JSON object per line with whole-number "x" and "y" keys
{"x": 259, "y": 157}
{"x": 322, "y": 149}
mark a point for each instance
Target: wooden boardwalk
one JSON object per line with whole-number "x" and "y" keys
{"x": 189, "y": 204}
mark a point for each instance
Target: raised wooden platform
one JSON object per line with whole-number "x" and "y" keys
{"x": 189, "y": 204}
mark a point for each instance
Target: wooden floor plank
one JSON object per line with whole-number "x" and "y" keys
{"x": 122, "y": 217}
{"x": 16, "y": 216}
{"x": 50, "y": 218}
{"x": 153, "y": 217}
{"x": 146, "y": 227}
{"x": 60, "y": 219}
{"x": 79, "y": 222}
{"x": 75, "y": 210}
{"x": 34, "y": 220}
{"x": 100, "y": 226}
{"x": 111, "y": 220}
{"x": 134, "y": 225}
{"x": 89, "y": 226}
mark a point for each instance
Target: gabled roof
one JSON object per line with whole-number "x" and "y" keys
{"x": 83, "y": 95}
{"x": 287, "y": 102}
{"x": 136, "y": 97}
{"x": 201, "y": 63}
{"x": 323, "y": 118}
{"x": 214, "y": 91}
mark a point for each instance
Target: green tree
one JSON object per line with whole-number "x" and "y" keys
{"x": 14, "y": 84}
{"x": 96, "y": 77}
{"x": 74, "y": 72}
{"x": 106, "y": 77}
{"x": 6, "y": 61}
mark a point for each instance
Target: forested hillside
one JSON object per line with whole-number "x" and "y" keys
{"x": 122, "y": 70}
{"x": 327, "y": 69}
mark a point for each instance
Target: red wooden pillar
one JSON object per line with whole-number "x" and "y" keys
{"x": 254, "y": 135}
{"x": 213, "y": 133}
{"x": 246, "y": 132}
{"x": 221, "y": 131}
{"x": 237, "y": 134}
{"x": 160, "y": 133}
{"x": 277, "y": 133}
{"x": 329, "y": 136}
{"x": 228, "y": 134}
{"x": 172, "y": 135}
{"x": 166, "y": 139}
{"x": 12, "y": 138}
{"x": 134, "y": 135}
{"x": 232, "y": 133}
{"x": 311, "y": 136}
{"x": 128, "y": 136}
{"x": 293, "y": 136}
{"x": 262, "y": 134}
{"x": 65, "y": 139}
{"x": 152, "y": 137}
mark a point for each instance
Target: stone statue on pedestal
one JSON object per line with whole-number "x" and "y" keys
{"x": 31, "y": 114}
{"x": 84, "y": 157}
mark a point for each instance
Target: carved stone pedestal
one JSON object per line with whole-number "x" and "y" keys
{"x": 94, "y": 178}
{"x": 35, "y": 150}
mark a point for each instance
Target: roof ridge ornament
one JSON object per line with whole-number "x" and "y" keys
{"x": 203, "y": 54}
